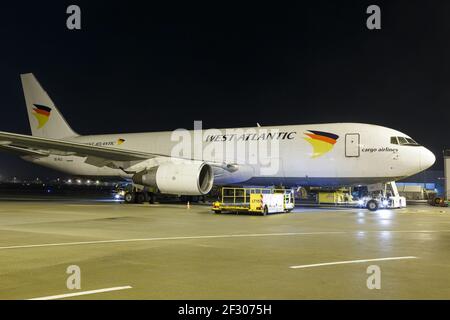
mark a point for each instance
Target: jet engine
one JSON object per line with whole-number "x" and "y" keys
{"x": 178, "y": 177}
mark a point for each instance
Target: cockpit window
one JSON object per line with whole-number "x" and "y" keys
{"x": 403, "y": 141}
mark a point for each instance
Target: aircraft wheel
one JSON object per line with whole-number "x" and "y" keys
{"x": 437, "y": 201}
{"x": 151, "y": 198}
{"x": 129, "y": 197}
{"x": 140, "y": 198}
{"x": 372, "y": 205}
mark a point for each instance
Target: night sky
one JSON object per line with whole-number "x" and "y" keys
{"x": 135, "y": 68}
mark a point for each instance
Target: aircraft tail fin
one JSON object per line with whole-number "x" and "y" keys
{"x": 45, "y": 119}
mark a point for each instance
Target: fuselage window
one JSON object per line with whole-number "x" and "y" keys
{"x": 394, "y": 140}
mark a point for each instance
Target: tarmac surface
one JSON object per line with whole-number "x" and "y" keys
{"x": 167, "y": 251}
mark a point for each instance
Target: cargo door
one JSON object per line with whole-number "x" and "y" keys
{"x": 352, "y": 145}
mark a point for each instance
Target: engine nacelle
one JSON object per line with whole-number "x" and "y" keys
{"x": 178, "y": 177}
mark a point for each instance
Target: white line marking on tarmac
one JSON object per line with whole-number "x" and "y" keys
{"x": 43, "y": 245}
{"x": 81, "y": 293}
{"x": 168, "y": 238}
{"x": 350, "y": 261}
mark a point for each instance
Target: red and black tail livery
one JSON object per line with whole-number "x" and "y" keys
{"x": 42, "y": 114}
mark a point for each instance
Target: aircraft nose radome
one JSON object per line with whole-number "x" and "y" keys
{"x": 427, "y": 159}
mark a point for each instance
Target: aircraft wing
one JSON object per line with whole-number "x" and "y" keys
{"x": 32, "y": 145}
{"x": 24, "y": 145}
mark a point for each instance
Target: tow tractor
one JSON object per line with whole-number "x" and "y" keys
{"x": 255, "y": 200}
{"x": 438, "y": 202}
{"x": 380, "y": 197}
{"x": 377, "y": 196}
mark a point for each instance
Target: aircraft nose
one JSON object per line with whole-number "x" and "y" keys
{"x": 427, "y": 159}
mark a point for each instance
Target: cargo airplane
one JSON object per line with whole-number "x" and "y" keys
{"x": 331, "y": 154}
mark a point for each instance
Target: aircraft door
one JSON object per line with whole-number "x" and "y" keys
{"x": 352, "y": 145}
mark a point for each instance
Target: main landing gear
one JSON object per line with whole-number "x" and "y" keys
{"x": 139, "y": 197}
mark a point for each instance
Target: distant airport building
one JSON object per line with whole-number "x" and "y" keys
{"x": 447, "y": 172}
{"x": 422, "y": 186}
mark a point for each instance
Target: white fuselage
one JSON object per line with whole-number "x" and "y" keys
{"x": 361, "y": 154}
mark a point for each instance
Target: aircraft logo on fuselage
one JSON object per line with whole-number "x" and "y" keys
{"x": 118, "y": 142}
{"x": 322, "y": 142}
